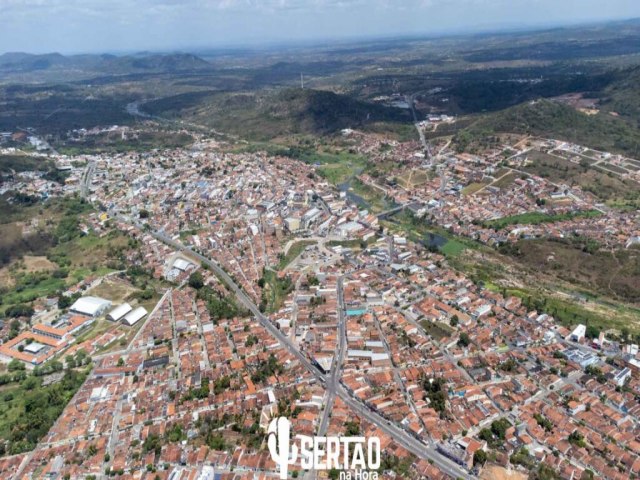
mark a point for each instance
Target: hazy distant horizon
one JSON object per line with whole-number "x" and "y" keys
{"x": 128, "y": 26}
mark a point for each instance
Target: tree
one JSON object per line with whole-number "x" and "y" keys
{"x": 464, "y": 340}
{"x": 196, "y": 280}
{"x": 577, "y": 439}
{"x": 15, "y": 365}
{"x": 454, "y": 321}
{"x": 499, "y": 428}
{"x": 480, "y": 457}
{"x": 64, "y": 302}
{"x": 21, "y": 310}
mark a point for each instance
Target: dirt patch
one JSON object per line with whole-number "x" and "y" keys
{"x": 494, "y": 472}
{"x": 38, "y": 264}
{"x": 115, "y": 289}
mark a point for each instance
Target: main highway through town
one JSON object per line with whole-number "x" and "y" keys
{"x": 331, "y": 382}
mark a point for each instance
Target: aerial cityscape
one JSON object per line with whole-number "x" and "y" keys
{"x": 398, "y": 254}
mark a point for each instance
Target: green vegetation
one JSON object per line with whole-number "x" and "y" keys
{"x": 196, "y": 281}
{"x": 464, "y": 341}
{"x": 219, "y": 306}
{"x": 581, "y": 261}
{"x": 543, "y": 421}
{"x": 422, "y": 231}
{"x": 436, "y": 392}
{"x": 544, "y": 472}
{"x": 24, "y": 163}
{"x": 496, "y": 434}
{"x": 479, "y": 457}
{"x": 294, "y": 251}
{"x": 605, "y": 186}
{"x": 577, "y": 439}
{"x": 536, "y": 218}
{"x": 200, "y": 392}
{"x": 68, "y": 255}
{"x": 265, "y": 115}
{"x": 274, "y": 290}
{"x": 453, "y": 247}
{"x": 266, "y": 369}
{"x": 551, "y": 119}
{"x": 436, "y": 330}
{"x": 401, "y": 466}
{"x": 352, "y": 429}
{"x": 112, "y": 142}
{"x": 524, "y": 458}
{"x": 28, "y": 410}
{"x": 375, "y": 199}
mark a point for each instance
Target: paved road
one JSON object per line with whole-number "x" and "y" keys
{"x": 87, "y": 175}
{"x": 338, "y": 360}
{"x": 399, "y": 435}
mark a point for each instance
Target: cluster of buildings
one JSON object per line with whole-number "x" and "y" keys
{"x": 458, "y": 367}
{"x": 469, "y": 194}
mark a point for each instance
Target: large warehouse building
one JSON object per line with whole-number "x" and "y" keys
{"x": 92, "y": 306}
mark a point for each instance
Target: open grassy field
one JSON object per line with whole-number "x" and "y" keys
{"x": 115, "y": 289}
{"x": 473, "y": 188}
{"x": 413, "y": 178}
{"x": 506, "y": 180}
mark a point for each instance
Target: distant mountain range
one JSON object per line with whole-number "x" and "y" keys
{"x": 17, "y": 62}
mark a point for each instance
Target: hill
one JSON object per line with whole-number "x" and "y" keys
{"x": 623, "y": 96}
{"x": 17, "y": 62}
{"x": 268, "y": 114}
{"x": 547, "y": 118}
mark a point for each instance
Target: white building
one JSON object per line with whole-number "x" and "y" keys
{"x": 134, "y": 316}
{"x": 181, "y": 264}
{"x": 92, "y": 306}
{"x": 119, "y": 312}
{"x": 578, "y": 333}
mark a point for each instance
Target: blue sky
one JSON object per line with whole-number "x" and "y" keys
{"x": 76, "y": 26}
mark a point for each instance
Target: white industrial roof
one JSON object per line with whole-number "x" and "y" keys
{"x": 90, "y": 305}
{"x": 181, "y": 264}
{"x": 119, "y": 312}
{"x": 135, "y": 316}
